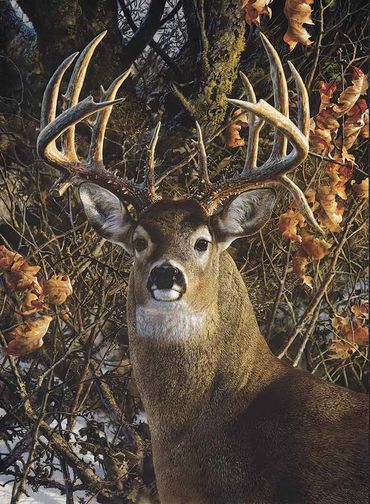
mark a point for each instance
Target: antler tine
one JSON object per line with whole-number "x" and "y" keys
{"x": 303, "y": 102}
{"x": 149, "y": 175}
{"x": 202, "y": 156}
{"x": 73, "y": 92}
{"x": 46, "y": 140}
{"x": 255, "y": 125}
{"x": 50, "y": 98}
{"x": 49, "y": 103}
{"x": 52, "y": 127}
{"x": 281, "y": 99}
{"x": 100, "y": 126}
{"x": 273, "y": 171}
{"x": 274, "y": 167}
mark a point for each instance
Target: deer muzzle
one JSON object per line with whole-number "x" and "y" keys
{"x": 166, "y": 283}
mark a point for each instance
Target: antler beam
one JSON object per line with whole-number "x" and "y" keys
{"x": 62, "y": 126}
{"x": 273, "y": 171}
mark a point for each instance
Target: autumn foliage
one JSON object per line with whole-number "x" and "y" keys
{"x": 33, "y": 315}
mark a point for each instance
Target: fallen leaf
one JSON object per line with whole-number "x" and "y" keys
{"x": 288, "y": 224}
{"x": 28, "y": 336}
{"x": 57, "y": 289}
{"x": 298, "y": 13}
{"x": 254, "y": 9}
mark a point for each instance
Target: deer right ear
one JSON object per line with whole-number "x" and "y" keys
{"x": 244, "y": 215}
{"x": 107, "y": 215}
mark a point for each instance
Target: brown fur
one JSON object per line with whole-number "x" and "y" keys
{"x": 229, "y": 422}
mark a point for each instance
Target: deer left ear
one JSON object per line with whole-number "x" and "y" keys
{"x": 244, "y": 215}
{"x": 107, "y": 215}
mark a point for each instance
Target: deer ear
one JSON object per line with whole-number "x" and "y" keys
{"x": 244, "y": 215}
{"x": 107, "y": 215}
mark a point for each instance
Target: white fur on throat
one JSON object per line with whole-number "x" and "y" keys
{"x": 168, "y": 320}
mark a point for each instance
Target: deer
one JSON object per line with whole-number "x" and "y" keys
{"x": 230, "y": 423}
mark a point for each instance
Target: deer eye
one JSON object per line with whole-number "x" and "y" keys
{"x": 140, "y": 244}
{"x": 201, "y": 245}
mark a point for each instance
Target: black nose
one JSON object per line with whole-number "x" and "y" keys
{"x": 165, "y": 276}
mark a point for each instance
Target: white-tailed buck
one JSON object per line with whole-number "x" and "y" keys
{"x": 229, "y": 422}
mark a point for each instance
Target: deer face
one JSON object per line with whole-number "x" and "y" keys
{"x": 176, "y": 244}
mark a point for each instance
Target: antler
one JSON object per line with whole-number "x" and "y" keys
{"x": 274, "y": 170}
{"x": 75, "y": 111}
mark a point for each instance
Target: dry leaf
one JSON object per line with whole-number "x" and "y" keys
{"x": 332, "y": 214}
{"x": 355, "y": 122}
{"x": 32, "y": 303}
{"x": 254, "y": 10}
{"x": 352, "y": 331}
{"x": 340, "y": 175}
{"x": 341, "y": 349}
{"x": 351, "y": 94}
{"x": 288, "y": 223}
{"x": 327, "y": 90}
{"x": 57, "y": 289}
{"x": 316, "y": 248}
{"x": 298, "y": 13}
{"x": 7, "y": 258}
{"x": 18, "y": 274}
{"x": 365, "y": 129}
{"x": 323, "y": 130}
{"x": 362, "y": 189}
{"x": 233, "y": 138}
{"x": 362, "y": 310}
{"x": 28, "y": 336}
{"x": 299, "y": 263}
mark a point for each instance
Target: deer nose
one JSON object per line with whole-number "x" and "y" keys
{"x": 165, "y": 276}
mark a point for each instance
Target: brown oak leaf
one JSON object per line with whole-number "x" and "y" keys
{"x": 351, "y": 94}
{"x": 254, "y": 9}
{"x": 32, "y": 303}
{"x": 288, "y": 224}
{"x": 28, "y": 336}
{"x": 299, "y": 264}
{"x": 233, "y": 138}
{"x": 351, "y": 330}
{"x": 340, "y": 350}
{"x": 298, "y": 13}
{"x": 362, "y": 310}
{"x": 331, "y": 215}
{"x": 57, "y": 289}
{"x": 316, "y": 248}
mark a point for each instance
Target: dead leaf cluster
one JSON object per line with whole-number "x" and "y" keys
{"x": 33, "y": 312}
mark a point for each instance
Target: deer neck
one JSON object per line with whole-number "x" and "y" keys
{"x": 202, "y": 357}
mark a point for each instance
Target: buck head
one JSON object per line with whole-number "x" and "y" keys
{"x": 176, "y": 244}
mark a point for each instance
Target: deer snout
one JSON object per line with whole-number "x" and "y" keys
{"x": 166, "y": 282}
